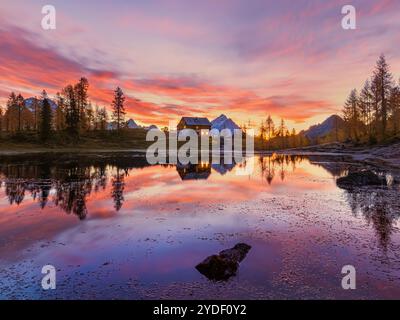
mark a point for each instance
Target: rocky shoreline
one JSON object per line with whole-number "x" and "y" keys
{"x": 380, "y": 156}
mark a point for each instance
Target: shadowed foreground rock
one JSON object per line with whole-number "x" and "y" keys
{"x": 360, "y": 179}
{"x": 224, "y": 265}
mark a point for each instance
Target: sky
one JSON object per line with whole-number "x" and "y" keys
{"x": 172, "y": 58}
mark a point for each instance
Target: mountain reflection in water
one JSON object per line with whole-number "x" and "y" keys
{"x": 68, "y": 182}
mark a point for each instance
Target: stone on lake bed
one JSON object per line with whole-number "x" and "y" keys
{"x": 225, "y": 264}
{"x": 360, "y": 179}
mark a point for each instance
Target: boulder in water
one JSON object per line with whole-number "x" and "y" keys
{"x": 360, "y": 179}
{"x": 225, "y": 264}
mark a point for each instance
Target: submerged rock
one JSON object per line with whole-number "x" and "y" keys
{"x": 360, "y": 179}
{"x": 225, "y": 264}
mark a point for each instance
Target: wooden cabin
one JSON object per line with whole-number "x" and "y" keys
{"x": 194, "y": 123}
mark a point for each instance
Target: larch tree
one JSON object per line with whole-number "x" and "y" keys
{"x": 46, "y": 120}
{"x": 293, "y": 139}
{"x": 366, "y": 106}
{"x": 11, "y": 112}
{"x": 281, "y": 133}
{"x": 81, "y": 96}
{"x": 351, "y": 115}
{"x": 263, "y": 133}
{"x": 103, "y": 118}
{"x": 60, "y": 113}
{"x": 90, "y": 117}
{"x": 270, "y": 128}
{"x": 394, "y": 106}
{"x": 384, "y": 80}
{"x": 20, "y": 104}
{"x": 72, "y": 116}
{"x": 100, "y": 118}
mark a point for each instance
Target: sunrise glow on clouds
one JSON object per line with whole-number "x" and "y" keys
{"x": 246, "y": 59}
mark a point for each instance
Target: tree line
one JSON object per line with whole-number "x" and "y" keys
{"x": 273, "y": 137}
{"x": 71, "y": 111}
{"x": 370, "y": 116}
{"x": 373, "y": 114}
{"x": 69, "y": 196}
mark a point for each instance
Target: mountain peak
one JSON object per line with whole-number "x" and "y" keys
{"x": 324, "y": 128}
{"x": 223, "y": 122}
{"x": 30, "y": 101}
{"x": 219, "y": 119}
{"x": 131, "y": 124}
{"x": 334, "y": 117}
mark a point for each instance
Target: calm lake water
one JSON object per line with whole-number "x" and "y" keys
{"x": 115, "y": 227}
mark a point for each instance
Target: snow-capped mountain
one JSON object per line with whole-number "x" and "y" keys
{"x": 223, "y": 168}
{"x": 223, "y": 122}
{"x": 131, "y": 124}
{"x": 217, "y": 122}
{"x": 29, "y": 104}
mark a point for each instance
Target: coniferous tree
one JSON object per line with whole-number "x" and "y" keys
{"x": 118, "y": 186}
{"x": 81, "y": 95}
{"x": 383, "y": 79}
{"x": 11, "y": 112}
{"x": 72, "y": 111}
{"x": 118, "y": 108}
{"x": 281, "y": 133}
{"x": 262, "y": 133}
{"x": 45, "y": 123}
{"x": 293, "y": 136}
{"x": 366, "y": 107}
{"x": 103, "y": 119}
{"x": 20, "y": 104}
{"x": 351, "y": 115}
{"x": 378, "y": 107}
{"x": 100, "y": 118}
{"x": 36, "y": 113}
{"x": 60, "y": 114}
{"x": 270, "y": 128}
{"x": 394, "y": 104}
{"x": 90, "y": 117}
{"x": 287, "y": 139}
{"x": 375, "y": 107}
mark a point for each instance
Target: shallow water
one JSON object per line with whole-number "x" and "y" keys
{"x": 115, "y": 227}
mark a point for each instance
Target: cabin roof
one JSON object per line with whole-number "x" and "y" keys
{"x": 194, "y": 121}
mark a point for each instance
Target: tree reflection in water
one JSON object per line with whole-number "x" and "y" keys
{"x": 379, "y": 207}
{"x": 281, "y": 162}
{"x": 118, "y": 186}
{"x": 68, "y": 182}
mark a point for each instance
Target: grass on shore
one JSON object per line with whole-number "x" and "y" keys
{"x": 134, "y": 139}
{"x": 30, "y": 141}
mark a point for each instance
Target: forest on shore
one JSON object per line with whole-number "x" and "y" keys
{"x": 68, "y": 120}
{"x": 369, "y": 116}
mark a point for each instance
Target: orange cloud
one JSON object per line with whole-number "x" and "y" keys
{"x": 28, "y": 68}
